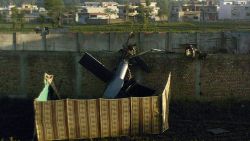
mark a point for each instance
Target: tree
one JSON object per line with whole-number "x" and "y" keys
{"x": 17, "y": 17}
{"x": 14, "y": 15}
{"x": 147, "y": 2}
{"x": 72, "y": 11}
{"x": 55, "y": 9}
{"x": 164, "y": 8}
{"x": 126, "y": 10}
{"x": 144, "y": 13}
{"x": 109, "y": 12}
{"x": 41, "y": 19}
{"x": 2, "y": 17}
{"x": 141, "y": 14}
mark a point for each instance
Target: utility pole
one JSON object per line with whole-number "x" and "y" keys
{"x": 203, "y": 11}
{"x": 33, "y": 2}
{"x": 44, "y": 31}
{"x": 169, "y": 10}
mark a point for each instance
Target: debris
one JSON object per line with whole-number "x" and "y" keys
{"x": 217, "y": 131}
{"x": 119, "y": 83}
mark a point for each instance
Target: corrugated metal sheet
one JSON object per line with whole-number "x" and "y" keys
{"x": 95, "y": 118}
{"x": 165, "y": 96}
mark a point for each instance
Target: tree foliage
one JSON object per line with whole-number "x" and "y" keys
{"x": 164, "y": 7}
{"x": 55, "y": 9}
{"x": 126, "y": 9}
{"x": 54, "y": 4}
{"x": 144, "y": 12}
{"x": 42, "y": 19}
{"x": 17, "y": 17}
{"x": 147, "y": 2}
{"x": 109, "y": 12}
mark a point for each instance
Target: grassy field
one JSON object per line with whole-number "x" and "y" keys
{"x": 151, "y": 27}
{"x": 8, "y": 27}
{"x": 165, "y": 27}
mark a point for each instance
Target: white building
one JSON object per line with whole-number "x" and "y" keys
{"x": 42, "y": 10}
{"x": 131, "y": 10}
{"x": 234, "y": 10}
{"x": 128, "y": 11}
{"x": 31, "y": 12}
{"x": 29, "y": 7}
{"x": 99, "y": 10}
{"x": 10, "y": 7}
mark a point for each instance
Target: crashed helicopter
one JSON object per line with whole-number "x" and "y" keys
{"x": 126, "y": 108}
{"x": 120, "y": 82}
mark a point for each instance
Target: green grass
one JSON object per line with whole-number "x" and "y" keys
{"x": 8, "y": 27}
{"x": 165, "y": 27}
{"x": 151, "y": 27}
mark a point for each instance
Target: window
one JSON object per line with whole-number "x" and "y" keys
{"x": 93, "y": 16}
{"x": 131, "y": 10}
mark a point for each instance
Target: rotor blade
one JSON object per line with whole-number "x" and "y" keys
{"x": 138, "y": 61}
{"x": 96, "y": 67}
{"x": 132, "y": 88}
{"x": 139, "y": 90}
{"x": 151, "y": 50}
{"x": 142, "y": 53}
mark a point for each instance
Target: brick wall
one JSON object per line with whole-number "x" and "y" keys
{"x": 220, "y": 75}
{"x": 9, "y": 74}
{"x": 226, "y": 75}
{"x": 58, "y": 64}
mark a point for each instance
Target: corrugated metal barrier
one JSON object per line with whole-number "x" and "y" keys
{"x": 98, "y": 118}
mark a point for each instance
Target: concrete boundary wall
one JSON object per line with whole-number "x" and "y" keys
{"x": 226, "y": 42}
{"x": 21, "y": 74}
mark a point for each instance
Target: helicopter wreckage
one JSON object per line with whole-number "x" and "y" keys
{"x": 126, "y": 108}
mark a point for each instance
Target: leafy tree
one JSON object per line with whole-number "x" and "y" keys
{"x": 144, "y": 13}
{"x": 17, "y": 17}
{"x": 21, "y": 18}
{"x": 147, "y": 2}
{"x": 2, "y": 17}
{"x": 164, "y": 8}
{"x": 126, "y": 9}
{"x": 109, "y": 12}
{"x": 141, "y": 13}
{"x": 14, "y": 15}
{"x": 41, "y": 19}
{"x": 147, "y": 9}
{"x": 71, "y": 9}
{"x": 55, "y": 9}
{"x": 72, "y": 2}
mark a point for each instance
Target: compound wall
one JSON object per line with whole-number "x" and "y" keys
{"x": 21, "y": 74}
{"x": 226, "y": 42}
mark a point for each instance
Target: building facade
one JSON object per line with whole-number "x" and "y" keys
{"x": 195, "y": 11}
{"x": 234, "y": 10}
{"x": 98, "y": 11}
